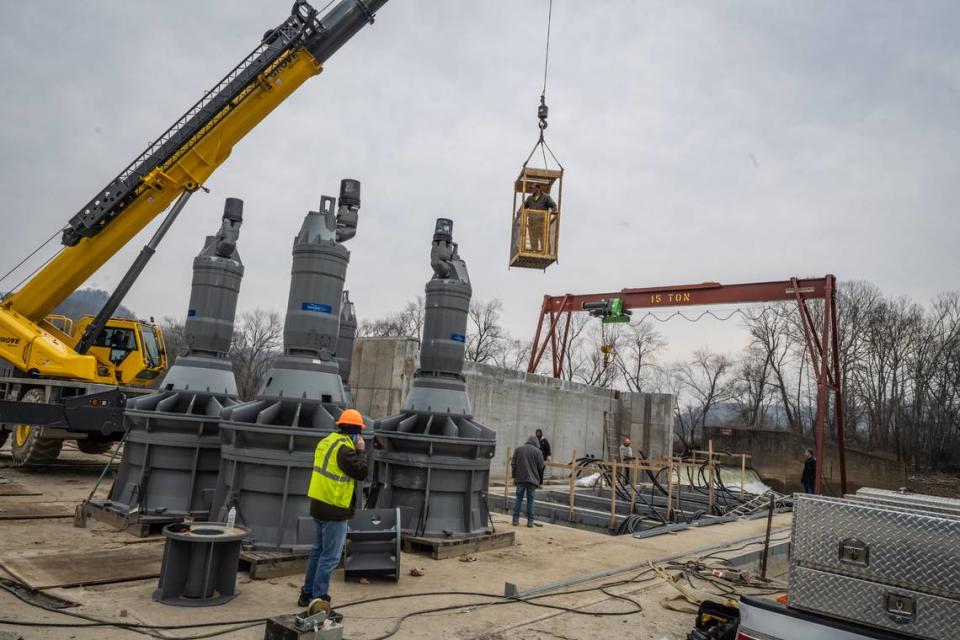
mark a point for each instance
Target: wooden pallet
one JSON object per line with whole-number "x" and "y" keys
{"x": 263, "y": 565}
{"x": 10, "y": 488}
{"x": 440, "y": 548}
{"x": 48, "y": 569}
{"x": 27, "y": 510}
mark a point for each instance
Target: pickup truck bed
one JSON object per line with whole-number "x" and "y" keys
{"x": 762, "y": 619}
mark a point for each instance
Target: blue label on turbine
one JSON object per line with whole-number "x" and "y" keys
{"x": 317, "y": 307}
{"x": 191, "y": 313}
{"x": 458, "y": 337}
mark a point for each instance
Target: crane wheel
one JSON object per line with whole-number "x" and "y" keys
{"x": 94, "y": 446}
{"x": 29, "y": 447}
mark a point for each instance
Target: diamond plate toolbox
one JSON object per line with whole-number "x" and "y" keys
{"x": 909, "y": 500}
{"x": 904, "y": 547}
{"x": 921, "y": 615}
{"x": 881, "y": 563}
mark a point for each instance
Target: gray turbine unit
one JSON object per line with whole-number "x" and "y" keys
{"x": 171, "y": 453}
{"x": 435, "y": 459}
{"x": 348, "y": 333}
{"x": 217, "y": 273}
{"x": 268, "y": 443}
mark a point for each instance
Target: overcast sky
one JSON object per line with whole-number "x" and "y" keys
{"x": 728, "y": 141}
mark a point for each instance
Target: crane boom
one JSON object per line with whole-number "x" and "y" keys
{"x": 182, "y": 158}
{"x": 185, "y": 155}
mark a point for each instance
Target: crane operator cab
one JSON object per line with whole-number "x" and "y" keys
{"x": 133, "y": 349}
{"x": 537, "y": 197}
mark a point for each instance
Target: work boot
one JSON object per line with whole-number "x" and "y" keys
{"x": 304, "y": 599}
{"x": 516, "y": 522}
{"x": 530, "y": 524}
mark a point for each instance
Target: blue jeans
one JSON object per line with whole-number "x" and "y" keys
{"x": 324, "y": 557}
{"x": 518, "y": 500}
{"x": 809, "y": 487}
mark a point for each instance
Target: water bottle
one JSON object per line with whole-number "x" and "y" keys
{"x": 231, "y": 517}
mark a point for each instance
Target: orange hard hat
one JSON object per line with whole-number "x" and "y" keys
{"x": 627, "y": 441}
{"x": 351, "y": 417}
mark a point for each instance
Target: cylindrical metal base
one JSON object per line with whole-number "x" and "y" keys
{"x": 266, "y": 462}
{"x": 171, "y": 456}
{"x": 436, "y": 469}
{"x": 200, "y": 562}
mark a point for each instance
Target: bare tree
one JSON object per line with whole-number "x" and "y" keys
{"x": 411, "y": 318}
{"x": 635, "y": 353}
{"x": 485, "y": 335}
{"x": 855, "y": 301}
{"x": 174, "y": 337}
{"x": 686, "y": 416}
{"x": 591, "y": 356}
{"x": 699, "y": 385}
{"x": 892, "y": 334}
{"x": 514, "y": 354}
{"x": 750, "y": 386}
{"x": 771, "y": 332}
{"x": 575, "y": 337}
{"x": 257, "y": 339}
{"x": 407, "y": 323}
{"x": 899, "y": 373}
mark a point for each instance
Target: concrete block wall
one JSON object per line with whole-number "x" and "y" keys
{"x": 516, "y": 404}
{"x": 647, "y": 419}
{"x": 381, "y": 374}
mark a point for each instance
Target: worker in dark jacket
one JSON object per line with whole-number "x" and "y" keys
{"x": 544, "y": 444}
{"x": 339, "y": 462}
{"x": 537, "y": 205}
{"x": 809, "y": 477}
{"x": 540, "y": 200}
{"x": 527, "y": 476}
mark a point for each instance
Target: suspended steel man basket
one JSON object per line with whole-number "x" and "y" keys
{"x": 537, "y": 197}
{"x": 536, "y": 219}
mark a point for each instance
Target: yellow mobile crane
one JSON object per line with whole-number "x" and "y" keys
{"x": 61, "y": 383}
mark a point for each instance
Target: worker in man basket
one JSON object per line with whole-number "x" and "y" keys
{"x": 537, "y": 202}
{"x": 339, "y": 461}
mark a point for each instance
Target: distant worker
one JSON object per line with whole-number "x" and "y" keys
{"x": 809, "y": 477}
{"x": 626, "y": 450}
{"x": 528, "y": 469}
{"x": 339, "y": 462}
{"x": 538, "y": 200}
{"x": 544, "y": 444}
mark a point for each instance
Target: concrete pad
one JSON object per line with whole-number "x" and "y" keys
{"x": 542, "y": 555}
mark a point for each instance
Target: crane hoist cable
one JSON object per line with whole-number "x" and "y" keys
{"x": 30, "y": 255}
{"x": 543, "y": 111}
{"x": 546, "y": 56}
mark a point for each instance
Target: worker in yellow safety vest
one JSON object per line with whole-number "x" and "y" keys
{"x": 339, "y": 461}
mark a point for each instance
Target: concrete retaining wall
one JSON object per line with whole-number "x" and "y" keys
{"x": 516, "y": 404}
{"x": 778, "y": 458}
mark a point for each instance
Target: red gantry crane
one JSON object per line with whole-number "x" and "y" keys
{"x": 553, "y": 330}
